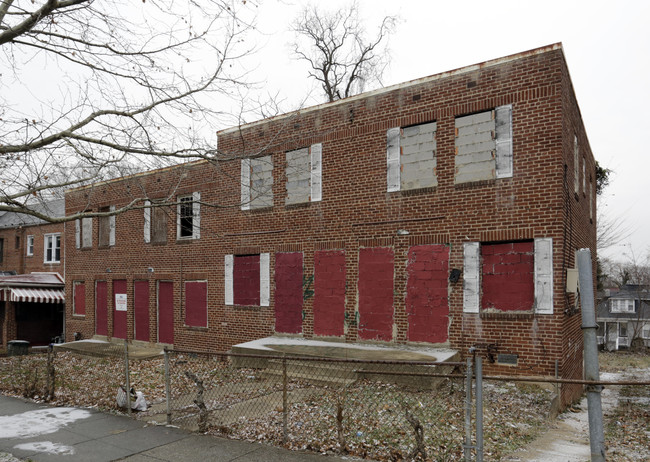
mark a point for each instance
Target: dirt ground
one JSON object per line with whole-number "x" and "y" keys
{"x": 567, "y": 439}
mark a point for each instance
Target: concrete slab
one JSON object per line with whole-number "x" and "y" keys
{"x": 115, "y": 348}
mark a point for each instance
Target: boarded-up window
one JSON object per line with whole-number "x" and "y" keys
{"x": 303, "y": 170}
{"x": 507, "y": 271}
{"x": 411, "y": 157}
{"x": 257, "y": 183}
{"x": 106, "y": 231}
{"x": 484, "y": 146}
{"x": 84, "y": 233}
{"x": 79, "y": 298}
{"x": 196, "y": 303}
{"x": 188, "y": 217}
{"x": 247, "y": 279}
{"x": 510, "y": 276}
{"x": 155, "y": 223}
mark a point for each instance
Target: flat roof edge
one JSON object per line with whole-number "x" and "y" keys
{"x": 409, "y": 83}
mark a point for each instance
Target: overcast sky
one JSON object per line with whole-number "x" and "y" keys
{"x": 606, "y": 44}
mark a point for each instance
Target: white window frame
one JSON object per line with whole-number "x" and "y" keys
{"x": 195, "y": 198}
{"x": 265, "y": 279}
{"x": 30, "y": 245}
{"x": 621, "y": 305}
{"x": 543, "y": 276}
{"x": 49, "y": 241}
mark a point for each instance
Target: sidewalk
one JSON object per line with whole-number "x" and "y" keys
{"x": 49, "y": 434}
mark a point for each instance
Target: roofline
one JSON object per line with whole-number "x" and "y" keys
{"x": 135, "y": 175}
{"x": 410, "y": 83}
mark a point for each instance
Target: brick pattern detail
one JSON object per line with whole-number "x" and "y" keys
{"x": 376, "y": 277}
{"x": 329, "y": 292}
{"x": 356, "y": 211}
{"x": 288, "y": 293}
{"x": 427, "y": 305}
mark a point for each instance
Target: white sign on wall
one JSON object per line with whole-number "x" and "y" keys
{"x": 120, "y": 302}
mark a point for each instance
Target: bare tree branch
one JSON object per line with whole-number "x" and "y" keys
{"x": 340, "y": 57}
{"x": 127, "y": 86}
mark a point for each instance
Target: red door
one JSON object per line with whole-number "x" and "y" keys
{"x": 141, "y": 310}
{"x": 376, "y": 293}
{"x": 427, "y": 304}
{"x": 165, "y": 312}
{"x": 101, "y": 308}
{"x": 288, "y": 292}
{"x": 120, "y": 308}
{"x": 329, "y": 292}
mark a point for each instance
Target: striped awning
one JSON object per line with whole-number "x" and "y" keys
{"x": 35, "y": 295}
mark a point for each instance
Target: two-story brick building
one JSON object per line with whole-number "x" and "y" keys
{"x": 442, "y": 211}
{"x": 31, "y": 265}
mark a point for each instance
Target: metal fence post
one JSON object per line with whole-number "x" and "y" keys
{"x": 285, "y": 411}
{"x": 128, "y": 381}
{"x": 468, "y": 412}
{"x": 479, "y": 409}
{"x": 589, "y": 332}
{"x": 167, "y": 387}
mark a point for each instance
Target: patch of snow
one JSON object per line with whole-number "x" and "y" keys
{"x": 47, "y": 447}
{"x": 41, "y": 422}
{"x": 267, "y": 343}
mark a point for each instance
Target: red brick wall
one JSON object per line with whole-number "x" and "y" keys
{"x": 356, "y": 212}
{"x": 16, "y": 259}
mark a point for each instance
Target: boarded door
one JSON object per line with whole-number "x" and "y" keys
{"x": 166, "y": 312}
{"x": 288, "y": 292}
{"x": 427, "y": 306}
{"x": 119, "y": 309}
{"x": 329, "y": 292}
{"x": 101, "y": 308}
{"x": 141, "y": 310}
{"x": 376, "y": 294}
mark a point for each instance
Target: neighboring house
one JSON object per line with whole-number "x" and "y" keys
{"x": 444, "y": 211}
{"x": 32, "y": 308}
{"x": 29, "y": 244}
{"x": 31, "y": 288}
{"x": 624, "y": 315}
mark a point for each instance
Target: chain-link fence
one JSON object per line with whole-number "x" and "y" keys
{"x": 382, "y": 410}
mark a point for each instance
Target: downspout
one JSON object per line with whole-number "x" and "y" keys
{"x": 589, "y": 332}
{"x": 65, "y": 304}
